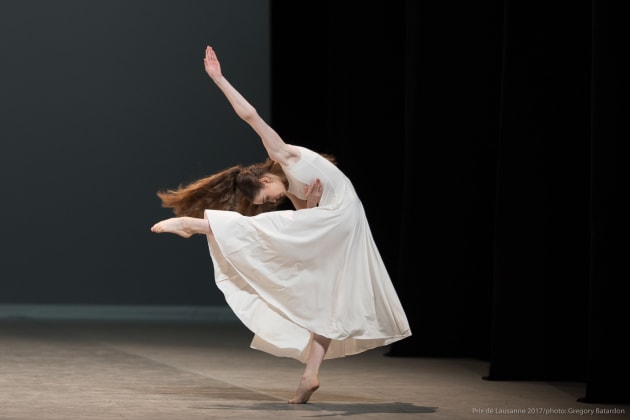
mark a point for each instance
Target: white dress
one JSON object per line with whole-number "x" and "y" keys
{"x": 288, "y": 273}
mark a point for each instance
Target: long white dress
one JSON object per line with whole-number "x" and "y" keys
{"x": 288, "y": 273}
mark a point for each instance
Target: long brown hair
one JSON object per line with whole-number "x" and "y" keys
{"x": 233, "y": 188}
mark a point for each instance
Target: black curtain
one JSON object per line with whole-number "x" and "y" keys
{"x": 483, "y": 140}
{"x": 608, "y": 369}
{"x": 541, "y": 246}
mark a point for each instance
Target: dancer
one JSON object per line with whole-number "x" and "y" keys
{"x": 310, "y": 282}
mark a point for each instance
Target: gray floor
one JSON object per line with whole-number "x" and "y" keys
{"x": 63, "y": 369}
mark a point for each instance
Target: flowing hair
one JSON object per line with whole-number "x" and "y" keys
{"x": 233, "y": 189}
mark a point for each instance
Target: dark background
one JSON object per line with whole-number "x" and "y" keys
{"x": 102, "y": 104}
{"x": 486, "y": 140}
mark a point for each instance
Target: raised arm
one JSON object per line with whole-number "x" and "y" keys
{"x": 276, "y": 148}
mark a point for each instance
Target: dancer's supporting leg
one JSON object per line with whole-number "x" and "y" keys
{"x": 310, "y": 380}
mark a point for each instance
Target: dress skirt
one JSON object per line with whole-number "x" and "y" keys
{"x": 287, "y": 274}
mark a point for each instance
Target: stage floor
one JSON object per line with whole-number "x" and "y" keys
{"x": 73, "y": 370}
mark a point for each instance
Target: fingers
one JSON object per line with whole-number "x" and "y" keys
{"x": 210, "y": 54}
{"x": 315, "y": 188}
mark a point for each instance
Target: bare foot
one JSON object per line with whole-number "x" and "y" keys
{"x": 174, "y": 225}
{"x": 307, "y": 386}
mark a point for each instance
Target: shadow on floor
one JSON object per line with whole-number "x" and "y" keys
{"x": 335, "y": 409}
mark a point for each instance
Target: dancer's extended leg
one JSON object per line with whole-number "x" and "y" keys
{"x": 310, "y": 379}
{"x": 183, "y": 226}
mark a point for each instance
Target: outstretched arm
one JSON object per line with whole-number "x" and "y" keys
{"x": 276, "y": 148}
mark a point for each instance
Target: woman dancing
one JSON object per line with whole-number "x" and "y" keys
{"x": 309, "y": 283}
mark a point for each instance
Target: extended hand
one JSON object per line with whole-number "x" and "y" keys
{"x": 211, "y": 63}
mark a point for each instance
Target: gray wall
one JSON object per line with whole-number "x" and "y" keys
{"x": 102, "y": 103}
